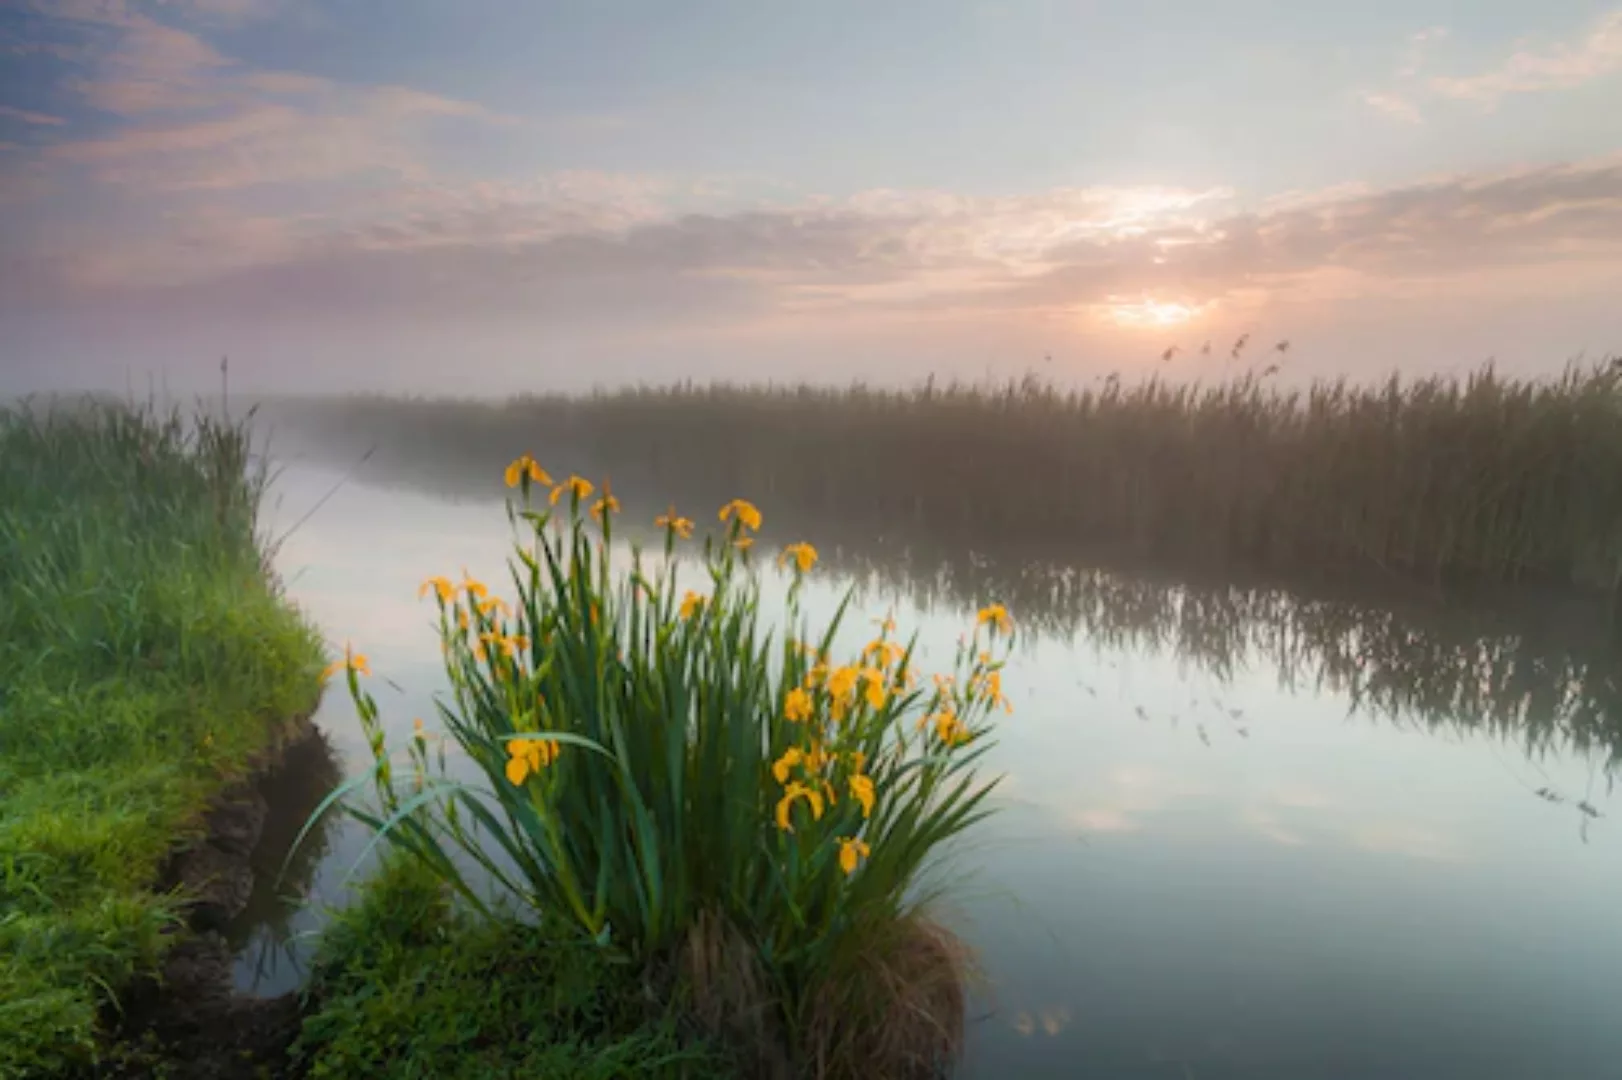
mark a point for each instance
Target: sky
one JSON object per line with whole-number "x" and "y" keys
{"x": 480, "y": 197}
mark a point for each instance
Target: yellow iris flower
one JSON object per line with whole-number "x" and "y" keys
{"x": 791, "y": 757}
{"x": 441, "y": 587}
{"x": 524, "y": 465}
{"x": 861, "y": 789}
{"x": 797, "y": 706}
{"x": 851, "y": 852}
{"x": 793, "y": 793}
{"x": 352, "y": 661}
{"x": 579, "y": 487}
{"x": 997, "y": 616}
{"x": 670, "y": 520}
{"x": 803, "y": 555}
{"x": 747, "y": 515}
{"x": 529, "y": 756}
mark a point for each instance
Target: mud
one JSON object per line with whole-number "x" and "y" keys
{"x": 188, "y": 1021}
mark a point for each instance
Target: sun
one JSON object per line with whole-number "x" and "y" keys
{"x": 1151, "y": 314}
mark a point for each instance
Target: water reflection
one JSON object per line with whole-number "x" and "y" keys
{"x": 264, "y": 934}
{"x": 1541, "y": 671}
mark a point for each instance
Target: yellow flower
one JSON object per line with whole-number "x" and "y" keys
{"x": 744, "y": 543}
{"x": 818, "y": 673}
{"x": 605, "y": 505}
{"x": 797, "y": 706}
{"x": 670, "y": 520}
{"x": 442, "y": 587}
{"x": 988, "y": 685}
{"x": 841, "y": 681}
{"x": 861, "y": 789}
{"x": 791, "y": 757}
{"x": 494, "y": 603}
{"x": 527, "y": 756}
{"x": 886, "y": 652}
{"x": 524, "y": 465}
{"x": 792, "y": 793}
{"x": 803, "y": 555}
{"x": 691, "y": 604}
{"x": 472, "y": 586}
{"x": 815, "y": 759}
{"x": 997, "y": 616}
{"x": 748, "y": 516}
{"x": 851, "y": 852}
{"x": 949, "y": 729}
{"x": 352, "y": 661}
{"x": 876, "y": 689}
{"x": 579, "y": 487}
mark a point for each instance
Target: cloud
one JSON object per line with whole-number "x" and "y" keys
{"x": 1560, "y": 67}
{"x": 330, "y": 133}
{"x": 1393, "y": 106}
{"x": 26, "y": 117}
{"x": 599, "y": 250}
{"x": 196, "y": 119}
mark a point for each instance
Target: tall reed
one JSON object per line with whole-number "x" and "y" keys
{"x": 1481, "y": 478}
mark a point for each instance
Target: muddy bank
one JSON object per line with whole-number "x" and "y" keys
{"x": 189, "y": 1020}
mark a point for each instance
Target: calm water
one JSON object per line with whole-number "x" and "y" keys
{"x": 1242, "y": 834}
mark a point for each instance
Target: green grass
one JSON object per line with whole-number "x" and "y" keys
{"x": 1482, "y": 478}
{"x": 144, "y": 652}
{"x": 678, "y": 786}
{"x": 409, "y": 986}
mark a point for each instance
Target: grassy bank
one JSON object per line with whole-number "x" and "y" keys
{"x": 144, "y": 653}
{"x": 1485, "y": 478}
{"x": 407, "y": 984}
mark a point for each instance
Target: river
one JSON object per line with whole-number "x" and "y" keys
{"x": 1243, "y": 834}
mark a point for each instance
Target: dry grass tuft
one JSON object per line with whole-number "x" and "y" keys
{"x": 898, "y": 1010}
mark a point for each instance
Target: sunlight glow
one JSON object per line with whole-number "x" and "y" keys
{"x": 1150, "y": 314}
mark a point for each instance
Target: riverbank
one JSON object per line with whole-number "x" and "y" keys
{"x": 149, "y": 665}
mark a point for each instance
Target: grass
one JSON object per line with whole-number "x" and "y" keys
{"x": 144, "y": 654}
{"x": 408, "y": 985}
{"x": 1485, "y": 478}
{"x": 741, "y": 816}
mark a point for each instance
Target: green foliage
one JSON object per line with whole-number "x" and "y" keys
{"x": 143, "y": 650}
{"x": 654, "y": 756}
{"x": 409, "y": 986}
{"x": 1485, "y": 478}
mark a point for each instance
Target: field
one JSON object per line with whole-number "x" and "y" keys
{"x": 145, "y": 656}
{"x": 1482, "y": 479}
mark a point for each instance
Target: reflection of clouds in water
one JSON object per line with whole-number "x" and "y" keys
{"x": 1401, "y": 838}
{"x": 1104, "y": 820}
{"x": 1265, "y": 824}
{"x": 1050, "y": 1021}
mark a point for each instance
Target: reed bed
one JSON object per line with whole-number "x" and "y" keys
{"x": 1481, "y": 478}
